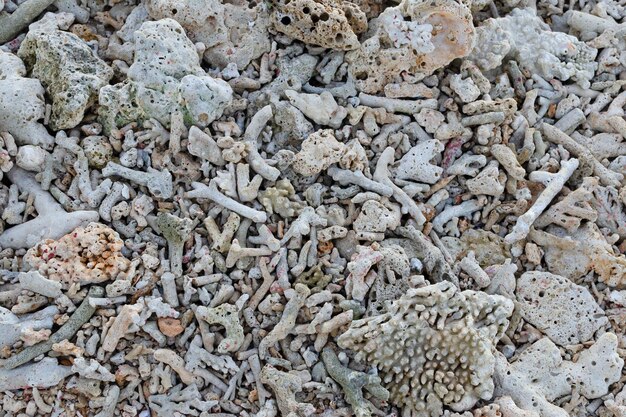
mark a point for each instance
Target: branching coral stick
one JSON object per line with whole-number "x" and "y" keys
{"x": 556, "y": 136}
{"x": 52, "y": 221}
{"x": 82, "y": 314}
{"x": 211, "y": 192}
{"x": 555, "y": 183}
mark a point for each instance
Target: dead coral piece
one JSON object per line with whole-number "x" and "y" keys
{"x": 540, "y": 375}
{"x": 330, "y": 24}
{"x": 69, "y": 70}
{"x": 416, "y": 36}
{"x": 228, "y": 316}
{"x": 564, "y": 311}
{"x": 319, "y": 151}
{"x": 87, "y": 255}
{"x": 450, "y": 336}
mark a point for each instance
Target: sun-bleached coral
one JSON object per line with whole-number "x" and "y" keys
{"x": 554, "y": 183}
{"x": 224, "y": 29}
{"x": 13, "y": 326}
{"x": 487, "y": 182}
{"x": 176, "y": 231}
{"x": 450, "y": 364}
{"x": 45, "y": 373}
{"x": 415, "y": 165}
{"x": 278, "y": 199}
{"x": 321, "y": 108}
{"x": 361, "y": 277}
{"x": 30, "y": 158}
{"x": 375, "y": 218}
{"x": 21, "y": 115}
{"x": 416, "y": 36}
{"x": 69, "y": 70}
{"x": 52, "y": 221}
{"x": 524, "y": 36}
{"x": 90, "y": 254}
{"x": 287, "y": 322}
{"x": 540, "y": 375}
{"x": 330, "y": 24}
{"x": 156, "y": 88}
{"x": 320, "y": 150}
{"x": 562, "y": 310}
{"x": 572, "y": 209}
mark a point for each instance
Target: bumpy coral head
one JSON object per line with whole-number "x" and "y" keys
{"x": 433, "y": 347}
{"x": 452, "y": 34}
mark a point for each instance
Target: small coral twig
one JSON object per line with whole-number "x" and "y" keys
{"x": 554, "y": 183}
{"x": 82, "y": 314}
{"x": 353, "y": 382}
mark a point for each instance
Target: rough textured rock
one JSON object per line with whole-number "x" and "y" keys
{"x": 86, "y": 255}
{"x": 564, "y": 311}
{"x": 223, "y": 28}
{"x": 330, "y": 24}
{"x": 69, "y": 70}
{"x": 540, "y": 375}
{"x": 404, "y": 40}
{"x": 446, "y": 364}
{"x": 165, "y": 77}
{"x": 22, "y": 103}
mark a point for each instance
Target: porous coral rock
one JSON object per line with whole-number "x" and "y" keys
{"x": 417, "y": 36}
{"x": 227, "y": 316}
{"x": 285, "y": 386}
{"x": 415, "y": 165}
{"x": 165, "y": 77}
{"x": 22, "y": 104}
{"x": 224, "y": 29}
{"x": 69, "y": 70}
{"x": 87, "y": 255}
{"x": 319, "y": 151}
{"x": 330, "y": 24}
{"x": 375, "y": 218}
{"x": 450, "y": 336}
{"x": 523, "y": 35}
{"x": 361, "y": 277}
{"x": 567, "y": 313}
{"x": 540, "y": 375}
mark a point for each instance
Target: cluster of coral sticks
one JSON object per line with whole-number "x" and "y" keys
{"x": 325, "y": 208}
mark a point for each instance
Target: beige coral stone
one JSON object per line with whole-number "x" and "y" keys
{"x": 331, "y": 24}
{"x": 87, "y": 255}
{"x": 170, "y": 327}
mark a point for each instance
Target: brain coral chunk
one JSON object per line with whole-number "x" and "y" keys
{"x": 165, "y": 77}
{"x": 87, "y": 255}
{"x": 433, "y": 347}
{"x": 69, "y": 70}
{"x": 331, "y": 24}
